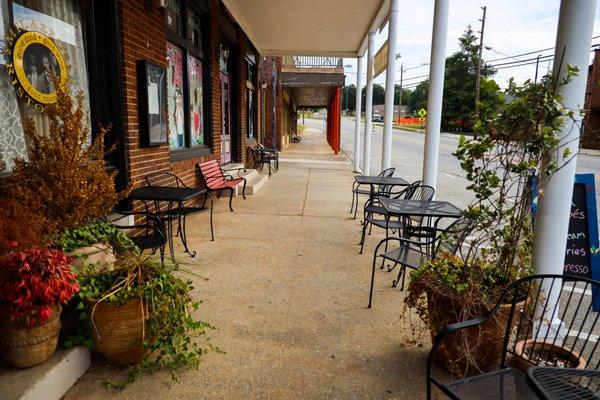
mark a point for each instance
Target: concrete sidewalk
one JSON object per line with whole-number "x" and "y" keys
{"x": 288, "y": 293}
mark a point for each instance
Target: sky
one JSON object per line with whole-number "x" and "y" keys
{"x": 512, "y": 27}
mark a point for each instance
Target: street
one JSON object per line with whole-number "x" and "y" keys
{"x": 407, "y": 157}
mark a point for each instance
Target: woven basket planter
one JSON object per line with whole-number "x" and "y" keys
{"x": 525, "y": 348}
{"x": 24, "y": 347}
{"x": 119, "y": 332}
{"x": 470, "y": 350}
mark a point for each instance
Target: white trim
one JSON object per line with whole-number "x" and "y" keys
{"x": 381, "y": 16}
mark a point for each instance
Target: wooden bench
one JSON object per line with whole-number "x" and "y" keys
{"x": 216, "y": 180}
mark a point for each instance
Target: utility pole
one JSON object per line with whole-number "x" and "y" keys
{"x": 478, "y": 81}
{"x": 537, "y": 64}
{"x": 400, "y": 100}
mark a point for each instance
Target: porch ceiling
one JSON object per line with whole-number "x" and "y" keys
{"x": 308, "y": 27}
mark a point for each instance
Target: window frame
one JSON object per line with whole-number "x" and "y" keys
{"x": 189, "y": 49}
{"x": 251, "y": 86}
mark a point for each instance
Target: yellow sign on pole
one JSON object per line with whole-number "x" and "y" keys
{"x": 422, "y": 113}
{"x": 380, "y": 60}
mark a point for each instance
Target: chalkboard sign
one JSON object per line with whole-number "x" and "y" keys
{"x": 582, "y": 257}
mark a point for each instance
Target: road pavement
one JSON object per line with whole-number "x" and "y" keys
{"x": 407, "y": 157}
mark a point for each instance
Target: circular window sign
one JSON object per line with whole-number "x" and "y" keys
{"x": 35, "y": 60}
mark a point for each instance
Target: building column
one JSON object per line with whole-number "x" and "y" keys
{"x": 359, "y": 83}
{"x": 435, "y": 94}
{"x": 574, "y": 36}
{"x": 369, "y": 105}
{"x": 573, "y": 41}
{"x": 390, "y": 85}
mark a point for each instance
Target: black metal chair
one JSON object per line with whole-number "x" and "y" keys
{"x": 270, "y": 155}
{"x": 411, "y": 253}
{"x": 262, "y": 157}
{"x": 357, "y": 191}
{"x": 375, "y": 214}
{"x": 148, "y": 234}
{"x": 181, "y": 211}
{"x": 557, "y": 318}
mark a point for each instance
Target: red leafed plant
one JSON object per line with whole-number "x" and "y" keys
{"x": 32, "y": 281}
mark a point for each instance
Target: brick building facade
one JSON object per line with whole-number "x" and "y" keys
{"x": 591, "y": 127}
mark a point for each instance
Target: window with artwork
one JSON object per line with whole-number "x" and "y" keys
{"x": 63, "y": 55}
{"x": 250, "y": 99}
{"x": 186, "y": 77}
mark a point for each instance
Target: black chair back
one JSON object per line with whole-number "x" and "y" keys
{"x": 552, "y": 322}
{"x": 453, "y": 237}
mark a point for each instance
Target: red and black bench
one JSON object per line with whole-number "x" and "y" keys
{"x": 216, "y": 180}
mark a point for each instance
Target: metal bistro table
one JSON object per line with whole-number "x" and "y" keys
{"x": 427, "y": 211}
{"x": 173, "y": 196}
{"x": 372, "y": 181}
{"x": 554, "y": 383}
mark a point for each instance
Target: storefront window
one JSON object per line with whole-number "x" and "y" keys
{"x": 185, "y": 84}
{"x": 175, "y": 99}
{"x": 250, "y": 100}
{"x": 196, "y": 101}
{"x": 60, "y": 21}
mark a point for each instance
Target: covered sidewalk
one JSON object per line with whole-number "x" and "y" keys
{"x": 287, "y": 292}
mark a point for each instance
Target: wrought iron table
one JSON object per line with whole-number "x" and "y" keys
{"x": 422, "y": 208}
{"x": 373, "y": 181}
{"x": 172, "y": 196}
{"x": 554, "y": 383}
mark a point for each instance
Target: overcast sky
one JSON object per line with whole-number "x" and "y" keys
{"x": 512, "y": 27}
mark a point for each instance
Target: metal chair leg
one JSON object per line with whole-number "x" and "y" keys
{"x": 372, "y": 279}
{"x": 212, "y": 233}
{"x": 230, "y": 199}
{"x": 244, "y": 189}
{"x": 362, "y": 238}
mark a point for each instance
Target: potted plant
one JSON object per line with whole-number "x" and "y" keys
{"x": 33, "y": 285}
{"x": 516, "y": 141}
{"x": 95, "y": 243}
{"x": 141, "y": 312}
{"x": 65, "y": 178}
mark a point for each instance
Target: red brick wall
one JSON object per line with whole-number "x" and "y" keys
{"x": 269, "y": 103}
{"x": 591, "y": 132}
{"x": 142, "y": 37}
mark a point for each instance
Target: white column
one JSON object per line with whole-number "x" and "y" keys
{"x": 369, "y": 104}
{"x": 390, "y": 86}
{"x": 357, "y": 123}
{"x": 435, "y": 95}
{"x": 573, "y": 40}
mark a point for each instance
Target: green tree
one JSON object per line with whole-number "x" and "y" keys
{"x": 458, "y": 107}
{"x": 418, "y": 97}
{"x": 378, "y": 94}
{"x": 405, "y": 95}
{"x": 349, "y": 98}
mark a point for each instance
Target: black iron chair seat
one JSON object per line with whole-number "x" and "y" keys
{"x": 408, "y": 256}
{"x": 375, "y": 209}
{"x": 505, "y": 384}
{"x": 149, "y": 241}
{"x": 393, "y": 224}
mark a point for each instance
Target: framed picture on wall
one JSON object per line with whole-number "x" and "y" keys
{"x": 152, "y": 102}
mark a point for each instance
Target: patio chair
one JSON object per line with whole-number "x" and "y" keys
{"x": 216, "y": 180}
{"x": 181, "y": 211}
{"x": 548, "y": 300}
{"x": 147, "y": 235}
{"x": 261, "y": 157}
{"x": 270, "y": 154}
{"x": 412, "y": 252}
{"x": 375, "y": 214}
{"x": 357, "y": 191}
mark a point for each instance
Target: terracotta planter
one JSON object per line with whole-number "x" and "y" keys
{"x": 100, "y": 254}
{"x": 119, "y": 331}
{"x": 24, "y": 347}
{"x": 471, "y": 350}
{"x": 525, "y": 348}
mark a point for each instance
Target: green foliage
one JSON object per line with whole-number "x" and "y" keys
{"x": 174, "y": 332}
{"x": 418, "y": 97}
{"x": 517, "y": 140}
{"x": 98, "y": 231}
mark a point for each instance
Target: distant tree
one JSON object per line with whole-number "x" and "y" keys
{"x": 418, "y": 97}
{"x": 458, "y": 106}
{"x": 378, "y": 94}
{"x": 405, "y": 95}
{"x": 349, "y": 98}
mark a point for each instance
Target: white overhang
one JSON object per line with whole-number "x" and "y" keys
{"x": 309, "y": 27}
